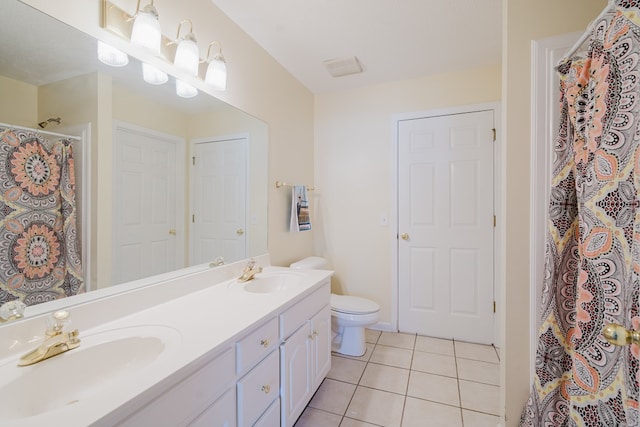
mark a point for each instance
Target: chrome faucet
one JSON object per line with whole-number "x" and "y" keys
{"x": 249, "y": 272}
{"x": 56, "y": 340}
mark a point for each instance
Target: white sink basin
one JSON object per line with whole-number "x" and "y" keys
{"x": 101, "y": 360}
{"x": 265, "y": 283}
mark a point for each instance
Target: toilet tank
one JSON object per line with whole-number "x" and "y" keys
{"x": 310, "y": 263}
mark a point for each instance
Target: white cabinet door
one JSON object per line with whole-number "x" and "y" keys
{"x": 271, "y": 418}
{"x": 321, "y": 331}
{"x": 221, "y": 414}
{"x": 295, "y": 368}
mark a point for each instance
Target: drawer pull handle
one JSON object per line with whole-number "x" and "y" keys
{"x": 266, "y": 389}
{"x": 264, "y": 343}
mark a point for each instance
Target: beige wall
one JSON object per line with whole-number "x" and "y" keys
{"x": 524, "y": 21}
{"x": 353, "y": 167}
{"x": 23, "y": 108}
{"x": 257, "y": 84}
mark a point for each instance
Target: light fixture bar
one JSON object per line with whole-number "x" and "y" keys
{"x": 120, "y": 23}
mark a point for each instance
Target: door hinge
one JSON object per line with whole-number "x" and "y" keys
{"x": 495, "y": 221}
{"x": 494, "y": 306}
{"x": 194, "y": 160}
{"x": 193, "y": 218}
{"x": 494, "y": 134}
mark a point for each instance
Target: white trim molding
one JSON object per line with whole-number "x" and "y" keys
{"x": 545, "y": 115}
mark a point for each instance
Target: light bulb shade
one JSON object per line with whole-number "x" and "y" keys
{"x": 146, "y": 31}
{"x": 216, "y": 75}
{"x": 152, "y": 75}
{"x": 187, "y": 56}
{"x": 109, "y": 55}
{"x": 185, "y": 90}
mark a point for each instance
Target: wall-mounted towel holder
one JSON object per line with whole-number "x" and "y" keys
{"x": 280, "y": 184}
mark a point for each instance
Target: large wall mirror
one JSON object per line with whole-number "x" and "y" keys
{"x": 163, "y": 183}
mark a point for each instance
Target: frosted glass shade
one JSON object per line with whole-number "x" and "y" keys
{"x": 146, "y": 31}
{"x": 216, "y": 75}
{"x": 109, "y": 55}
{"x": 152, "y": 75}
{"x": 185, "y": 90}
{"x": 187, "y": 57}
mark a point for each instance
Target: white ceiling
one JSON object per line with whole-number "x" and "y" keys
{"x": 392, "y": 39}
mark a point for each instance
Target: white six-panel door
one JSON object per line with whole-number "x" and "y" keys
{"x": 218, "y": 200}
{"x": 148, "y": 237}
{"x": 446, "y": 226}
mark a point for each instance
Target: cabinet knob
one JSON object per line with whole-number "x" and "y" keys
{"x": 264, "y": 342}
{"x": 405, "y": 236}
{"x": 172, "y": 232}
{"x": 266, "y": 389}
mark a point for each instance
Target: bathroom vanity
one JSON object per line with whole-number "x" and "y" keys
{"x": 225, "y": 354}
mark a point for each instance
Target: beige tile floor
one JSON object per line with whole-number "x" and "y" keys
{"x": 404, "y": 380}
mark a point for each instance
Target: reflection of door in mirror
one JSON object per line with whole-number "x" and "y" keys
{"x": 147, "y": 203}
{"x": 218, "y": 199}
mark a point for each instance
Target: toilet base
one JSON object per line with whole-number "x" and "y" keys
{"x": 349, "y": 340}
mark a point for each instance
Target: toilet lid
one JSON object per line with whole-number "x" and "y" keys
{"x": 353, "y": 305}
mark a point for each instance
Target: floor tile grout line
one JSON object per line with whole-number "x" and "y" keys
{"x": 455, "y": 358}
{"x": 406, "y": 389}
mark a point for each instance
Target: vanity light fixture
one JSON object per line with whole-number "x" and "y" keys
{"x": 216, "y": 76}
{"x": 143, "y": 29}
{"x": 187, "y": 56}
{"x": 185, "y": 90}
{"x": 146, "y": 31}
{"x": 109, "y": 55}
{"x": 152, "y": 75}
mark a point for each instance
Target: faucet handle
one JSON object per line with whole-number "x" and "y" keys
{"x": 12, "y": 310}
{"x": 56, "y": 322}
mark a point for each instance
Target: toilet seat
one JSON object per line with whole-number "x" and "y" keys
{"x": 353, "y": 305}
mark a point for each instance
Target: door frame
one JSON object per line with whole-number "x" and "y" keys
{"x": 497, "y": 204}
{"x": 545, "y": 54}
{"x": 180, "y": 183}
{"x": 203, "y": 140}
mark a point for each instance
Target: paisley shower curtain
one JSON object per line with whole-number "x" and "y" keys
{"x": 39, "y": 249}
{"x": 593, "y": 242}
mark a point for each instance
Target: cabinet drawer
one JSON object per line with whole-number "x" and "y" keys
{"x": 258, "y": 389}
{"x": 255, "y": 346}
{"x": 271, "y": 418}
{"x": 179, "y": 405}
{"x": 221, "y": 414}
{"x": 291, "y": 319}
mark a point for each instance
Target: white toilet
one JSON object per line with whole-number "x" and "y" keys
{"x": 349, "y": 315}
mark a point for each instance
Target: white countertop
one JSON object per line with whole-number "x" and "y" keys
{"x": 207, "y": 321}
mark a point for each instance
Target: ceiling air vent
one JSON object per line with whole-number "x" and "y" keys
{"x": 343, "y": 66}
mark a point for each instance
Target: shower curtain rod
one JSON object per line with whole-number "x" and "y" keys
{"x": 280, "y": 184}
{"x": 61, "y": 135}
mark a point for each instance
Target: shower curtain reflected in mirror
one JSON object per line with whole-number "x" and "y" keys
{"x": 39, "y": 250}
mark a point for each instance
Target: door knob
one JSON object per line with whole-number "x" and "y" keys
{"x": 405, "y": 236}
{"x": 239, "y": 231}
{"x": 619, "y": 335}
{"x": 172, "y": 232}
